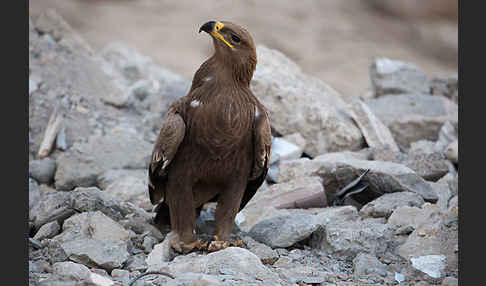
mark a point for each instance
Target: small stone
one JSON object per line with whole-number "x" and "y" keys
{"x": 450, "y": 281}
{"x": 368, "y": 264}
{"x": 285, "y": 150}
{"x": 100, "y": 280}
{"x": 399, "y": 277}
{"x": 71, "y": 270}
{"x": 386, "y": 204}
{"x": 121, "y": 275}
{"x": 49, "y": 230}
{"x": 432, "y": 265}
{"x": 148, "y": 243}
{"x": 452, "y": 152}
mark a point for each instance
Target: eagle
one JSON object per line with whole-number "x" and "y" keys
{"x": 214, "y": 144}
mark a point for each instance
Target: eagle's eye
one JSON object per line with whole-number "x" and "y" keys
{"x": 235, "y": 38}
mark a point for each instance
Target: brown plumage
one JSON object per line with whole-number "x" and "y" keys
{"x": 215, "y": 143}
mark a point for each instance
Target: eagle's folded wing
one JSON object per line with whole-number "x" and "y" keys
{"x": 165, "y": 149}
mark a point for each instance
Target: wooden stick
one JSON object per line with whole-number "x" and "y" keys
{"x": 53, "y": 127}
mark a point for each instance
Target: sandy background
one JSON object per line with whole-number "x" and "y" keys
{"x": 333, "y": 40}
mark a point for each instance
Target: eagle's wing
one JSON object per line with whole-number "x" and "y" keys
{"x": 165, "y": 149}
{"x": 262, "y": 146}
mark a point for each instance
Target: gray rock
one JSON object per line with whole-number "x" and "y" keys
{"x": 160, "y": 252}
{"x": 100, "y": 280}
{"x": 148, "y": 243}
{"x": 452, "y": 152}
{"x": 430, "y": 166}
{"x": 445, "y": 86}
{"x": 34, "y": 195}
{"x": 422, "y": 146}
{"x": 42, "y": 170}
{"x": 395, "y": 77}
{"x": 71, "y": 270}
{"x": 450, "y": 281}
{"x": 119, "y": 148}
{"x": 286, "y": 92}
{"x": 49, "y": 230}
{"x": 383, "y": 177}
{"x": 432, "y": 265}
{"x": 131, "y": 189}
{"x": 454, "y": 206}
{"x": 297, "y": 139}
{"x": 376, "y": 134}
{"x": 136, "y": 262}
{"x": 93, "y": 239}
{"x": 246, "y": 266}
{"x": 448, "y": 134}
{"x": 386, "y": 204}
{"x": 285, "y": 150}
{"x": 266, "y": 254}
{"x": 121, "y": 275}
{"x": 404, "y": 219}
{"x": 444, "y": 193}
{"x": 52, "y": 206}
{"x": 111, "y": 176}
{"x": 365, "y": 264}
{"x": 195, "y": 279}
{"x": 413, "y": 117}
{"x": 348, "y": 238}
{"x": 283, "y": 231}
{"x": 435, "y": 234}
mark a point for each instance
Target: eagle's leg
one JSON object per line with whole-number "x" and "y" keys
{"x": 226, "y": 210}
{"x": 182, "y": 218}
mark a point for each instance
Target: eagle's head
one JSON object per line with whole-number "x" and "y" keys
{"x": 234, "y": 47}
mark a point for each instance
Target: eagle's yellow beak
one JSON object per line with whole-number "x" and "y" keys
{"x": 213, "y": 28}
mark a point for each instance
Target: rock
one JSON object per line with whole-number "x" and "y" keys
{"x": 365, "y": 264}
{"x": 445, "y": 86}
{"x": 321, "y": 113}
{"x": 289, "y": 226}
{"x": 285, "y": 150}
{"x": 148, "y": 243}
{"x": 283, "y": 231}
{"x": 52, "y": 206}
{"x": 413, "y": 117}
{"x": 297, "y": 139}
{"x": 396, "y": 77}
{"x": 160, "y": 252}
{"x": 42, "y": 170}
{"x": 49, "y": 230}
{"x": 113, "y": 175}
{"x": 450, "y": 281}
{"x": 448, "y": 134}
{"x": 136, "y": 262}
{"x": 432, "y": 265}
{"x": 100, "y": 280}
{"x": 195, "y": 279}
{"x": 93, "y": 239}
{"x": 119, "y": 148}
{"x": 34, "y": 195}
{"x": 348, "y": 238}
{"x": 435, "y": 234}
{"x": 386, "y": 204}
{"x": 422, "y": 146}
{"x": 291, "y": 194}
{"x": 452, "y": 152}
{"x": 131, "y": 189}
{"x": 120, "y": 275}
{"x": 376, "y": 134}
{"x": 404, "y": 218}
{"x": 383, "y": 177}
{"x": 266, "y": 254}
{"x": 430, "y": 166}
{"x": 239, "y": 263}
{"x": 454, "y": 206}
{"x": 71, "y": 270}
{"x": 444, "y": 193}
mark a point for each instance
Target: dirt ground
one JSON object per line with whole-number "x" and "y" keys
{"x": 333, "y": 40}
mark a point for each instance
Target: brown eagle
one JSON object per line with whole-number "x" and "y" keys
{"x": 215, "y": 142}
